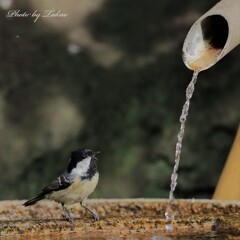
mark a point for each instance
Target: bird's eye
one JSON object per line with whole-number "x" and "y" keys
{"x": 87, "y": 153}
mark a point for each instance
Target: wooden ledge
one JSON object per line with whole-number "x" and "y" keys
{"x": 120, "y": 217}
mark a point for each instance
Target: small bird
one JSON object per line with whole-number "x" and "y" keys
{"x": 75, "y": 184}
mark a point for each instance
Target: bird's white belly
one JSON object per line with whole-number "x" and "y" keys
{"x": 76, "y": 192}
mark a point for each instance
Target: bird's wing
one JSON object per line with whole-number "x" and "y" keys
{"x": 60, "y": 183}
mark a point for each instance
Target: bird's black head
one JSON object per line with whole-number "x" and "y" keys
{"x": 80, "y": 154}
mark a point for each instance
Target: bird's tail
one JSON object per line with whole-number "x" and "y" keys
{"x": 34, "y": 200}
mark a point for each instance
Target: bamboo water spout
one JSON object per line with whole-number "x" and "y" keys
{"x": 210, "y": 38}
{"x": 213, "y": 36}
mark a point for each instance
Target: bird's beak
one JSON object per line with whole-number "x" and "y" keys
{"x": 96, "y": 153}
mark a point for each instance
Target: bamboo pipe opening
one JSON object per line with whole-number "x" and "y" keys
{"x": 205, "y": 42}
{"x": 215, "y": 31}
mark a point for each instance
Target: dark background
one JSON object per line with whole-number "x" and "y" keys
{"x": 110, "y": 77}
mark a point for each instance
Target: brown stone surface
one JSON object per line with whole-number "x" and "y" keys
{"x": 138, "y": 217}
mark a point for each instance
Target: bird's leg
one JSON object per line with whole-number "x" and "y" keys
{"x": 95, "y": 215}
{"x": 66, "y": 214}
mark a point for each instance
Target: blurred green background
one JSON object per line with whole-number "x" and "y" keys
{"x": 110, "y": 77}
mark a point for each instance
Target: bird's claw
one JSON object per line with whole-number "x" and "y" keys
{"x": 96, "y": 217}
{"x": 68, "y": 218}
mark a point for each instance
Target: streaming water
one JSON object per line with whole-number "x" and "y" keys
{"x": 170, "y": 213}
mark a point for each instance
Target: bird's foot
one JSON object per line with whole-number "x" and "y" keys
{"x": 96, "y": 216}
{"x": 67, "y": 217}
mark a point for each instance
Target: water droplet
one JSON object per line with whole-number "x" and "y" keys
{"x": 179, "y": 146}
{"x": 178, "y": 152}
{"x": 190, "y": 90}
{"x": 174, "y": 177}
{"x": 17, "y": 36}
{"x": 179, "y": 137}
{"x": 169, "y": 227}
{"x": 73, "y": 48}
{"x": 173, "y": 186}
{"x": 158, "y": 237}
{"x": 169, "y": 215}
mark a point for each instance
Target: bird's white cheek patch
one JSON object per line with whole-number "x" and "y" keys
{"x": 82, "y": 167}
